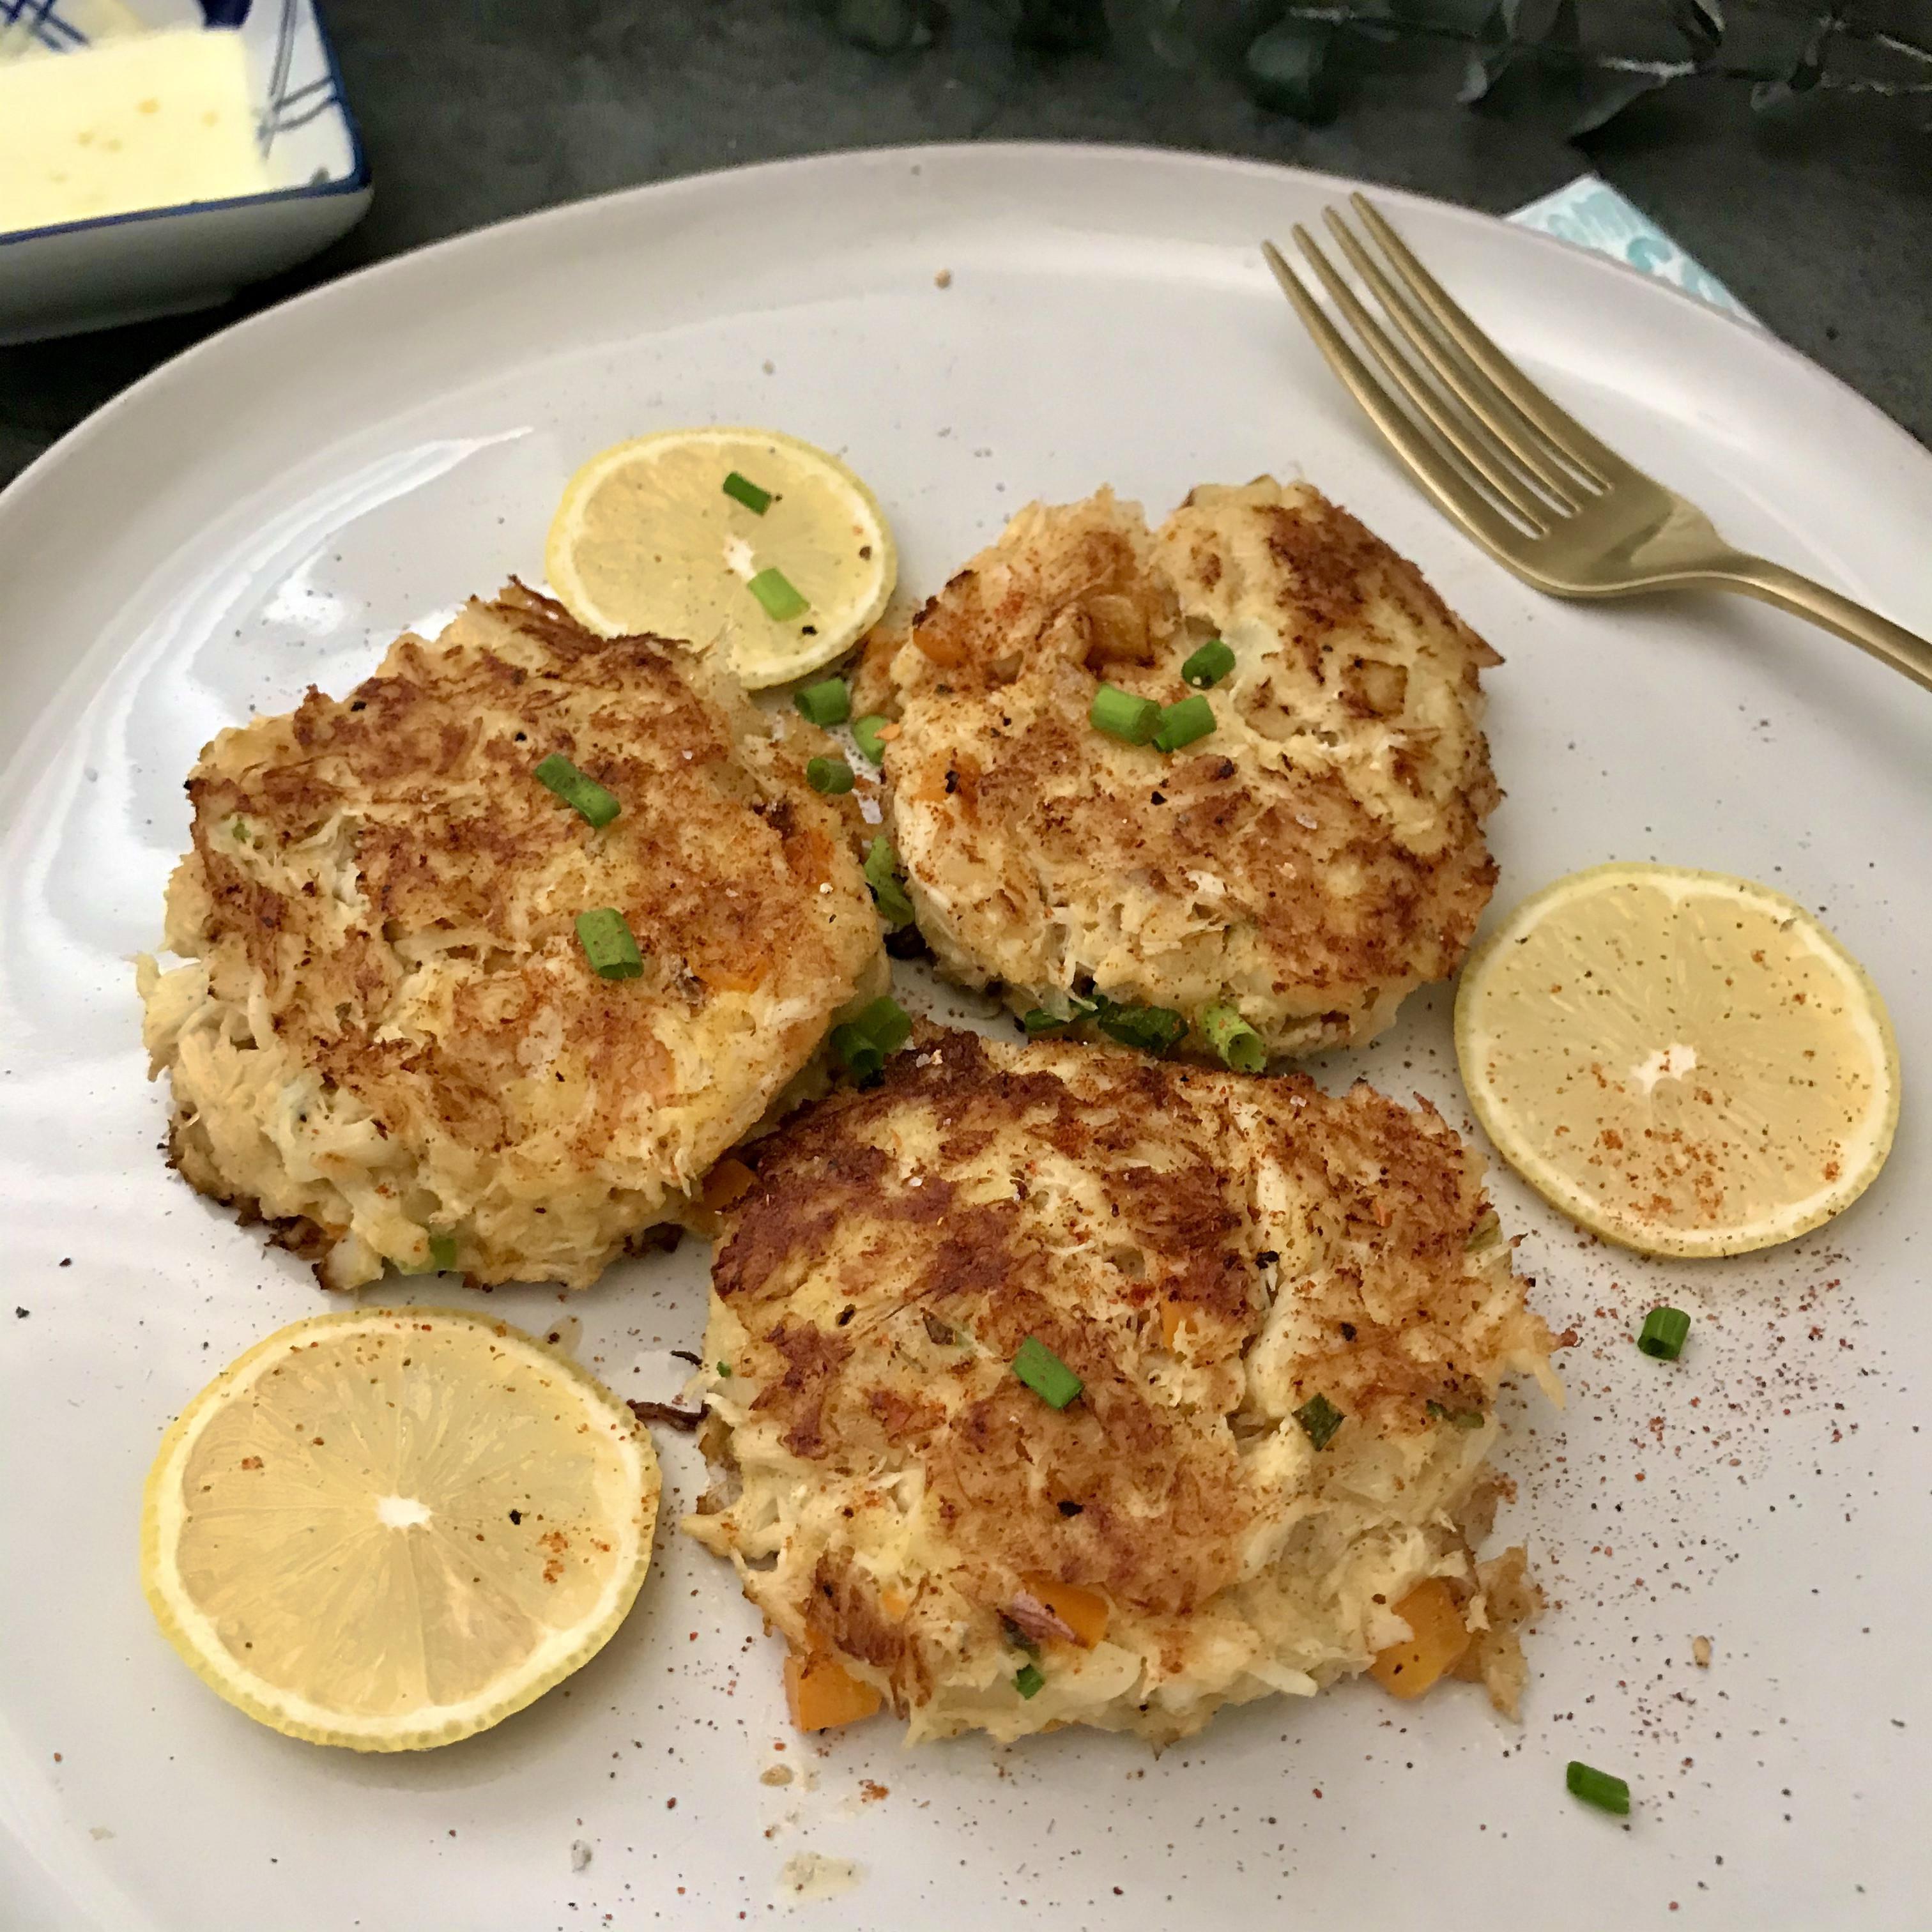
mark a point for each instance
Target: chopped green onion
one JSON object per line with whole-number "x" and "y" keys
{"x": 724, "y": 1370}
{"x": 747, "y": 492}
{"x": 1027, "y": 1680}
{"x": 443, "y": 1252}
{"x": 1456, "y": 1418}
{"x": 886, "y": 1023}
{"x": 238, "y": 829}
{"x": 864, "y": 1041}
{"x": 1181, "y": 724}
{"x": 1123, "y": 715}
{"x": 859, "y": 1053}
{"x": 1664, "y": 1330}
{"x": 865, "y": 731}
{"x": 882, "y": 874}
{"x": 557, "y": 774}
{"x": 1233, "y": 1038}
{"x": 1152, "y": 1029}
{"x": 1045, "y": 1374}
{"x": 1040, "y": 1019}
{"x": 778, "y": 594}
{"x": 1598, "y": 1788}
{"x": 1208, "y": 665}
{"x": 1319, "y": 1419}
{"x": 827, "y": 702}
{"x": 608, "y": 944}
{"x": 832, "y": 774}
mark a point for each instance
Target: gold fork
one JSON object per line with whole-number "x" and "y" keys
{"x": 1526, "y": 480}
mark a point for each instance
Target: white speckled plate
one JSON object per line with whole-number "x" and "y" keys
{"x": 272, "y": 508}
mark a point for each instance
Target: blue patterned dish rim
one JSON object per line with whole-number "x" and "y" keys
{"x": 301, "y": 111}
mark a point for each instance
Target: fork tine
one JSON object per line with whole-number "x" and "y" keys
{"x": 1468, "y": 438}
{"x": 1482, "y": 398}
{"x": 1442, "y": 478}
{"x": 1569, "y": 436}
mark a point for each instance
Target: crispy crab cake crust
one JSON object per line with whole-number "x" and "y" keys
{"x": 387, "y": 1028}
{"x": 1208, "y": 1253}
{"x": 1312, "y": 861}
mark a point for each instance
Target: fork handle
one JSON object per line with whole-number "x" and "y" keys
{"x": 1771, "y": 583}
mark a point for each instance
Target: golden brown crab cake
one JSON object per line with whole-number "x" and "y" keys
{"x": 387, "y": 1038}
{"x": 1289, "y": 1314}
{"x": 1311, "y": 861}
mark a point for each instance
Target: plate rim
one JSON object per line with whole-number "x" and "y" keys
{"x": 590, "y": 209}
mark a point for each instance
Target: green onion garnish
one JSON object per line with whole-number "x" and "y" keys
{"x": 443, "y": 1252}
{"x": 1664, "y": 1330}
{"x": 557, "y": 774}
{"x": 1598, "y": 1788}
{"x": 863, "y": 1041}
{"x": 886, "y": 1023}
{"x": 1456, "y": 1418}
{"x": 1485, "y": 1231}
{"x": 1123, "y": 715}
{"x": 882, "y": 874}
{"x": 832, "y": 774}
{"x": 1027, "y": 1680}
{"x": 1233, "y": 1038}
{"x": 238, "y": 829}
{"x": 866, "y": 731}
{"x": 859, "y": 1053}
{"x": 747, "y": 492}
{"x": 1319, "y": 1419}
{"x": 778, "y": 594}
{"x": 1039, "y": 1020}
{"x": 724, "y": 1368}
{"x": 1181, "y": 724}
{"x": 827, "y": 702}
{"x": 870, "y": 1036}
{"x": 1045, "y": 1374}
{"x": 1208, "y": 665}
{"x": 608, "y": 945}
{"x": 1152, "y": 1029}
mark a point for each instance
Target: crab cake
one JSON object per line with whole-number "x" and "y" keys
{"x": 1311, "y": 861}
{"x": 388, "y": 1040}
{"x": 1288, "y": 1315}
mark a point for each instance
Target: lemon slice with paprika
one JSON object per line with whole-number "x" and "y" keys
{"x": 1685, "y": 1062}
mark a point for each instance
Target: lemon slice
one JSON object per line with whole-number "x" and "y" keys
{"x": 1685, "y": 1062}
{"x": 646, "y": 539}
{"x": 389, "y": 1529}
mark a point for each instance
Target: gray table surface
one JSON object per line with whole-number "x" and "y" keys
{"x": 1820, "y": 218}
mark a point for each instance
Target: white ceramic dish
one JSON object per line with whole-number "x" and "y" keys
{"x": 83, "y": 275}
{"x": 273, "y": 507}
